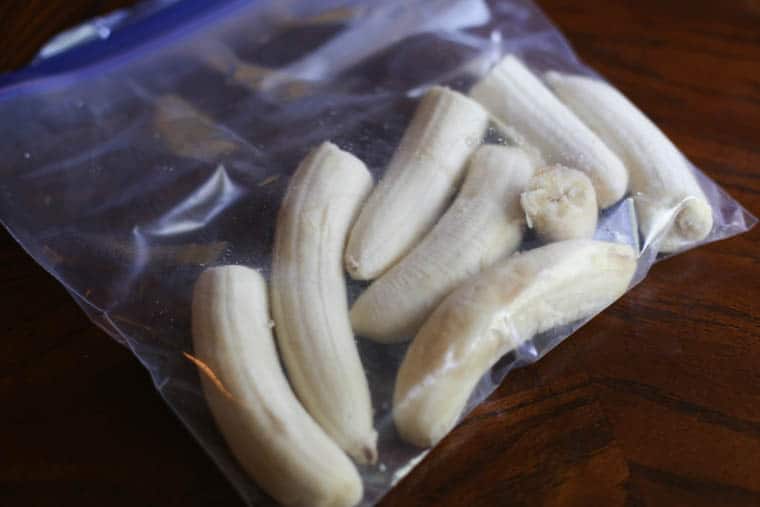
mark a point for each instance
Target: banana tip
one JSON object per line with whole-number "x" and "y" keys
{"x": 694, "y": 222}
{"x": 552, "y": 77}
{"x": 357, "y": 269}
{"x": 370, "y": 454}
{"x": 352, "y": 265}
{"x": 366, "y": 452}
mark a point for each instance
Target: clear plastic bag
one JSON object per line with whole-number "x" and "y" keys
{"x": 126, "y": 175}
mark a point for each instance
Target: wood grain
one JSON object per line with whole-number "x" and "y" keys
{"x": 655, "y": 403}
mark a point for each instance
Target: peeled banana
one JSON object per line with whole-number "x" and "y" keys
{"x": 190, "y": 133}
{"x": 423, "y": 174}
{"x": 519, "y": 99}
{"x": 494, "y": 313}
{"x": 560, "y": 204}
{"x": 265, "y": 426}
{"x": 309, "y": 302}
{"x": 484, "y": 223}
{"x": 221, "y": 58}
{"x": 665, "y": 190}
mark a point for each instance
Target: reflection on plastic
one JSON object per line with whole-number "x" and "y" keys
{"x": 379, "y": 27}
{"x": 198, "y": 209}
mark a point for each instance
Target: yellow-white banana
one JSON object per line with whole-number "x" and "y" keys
{"x": 496, "y": 312}
{"x": 190, "y": 133}
{"x": 423, "y": 174}
{"x": 560, "y": 204}
{"x": 484, "y": 223}
{"x": 309, "y": 302}
{"x": 665, "y": 190}
{"x": 520, "y": 100}
{"x": 266, "y": 428}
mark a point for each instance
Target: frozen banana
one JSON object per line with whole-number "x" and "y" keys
{"x": 484, "y": 223}
{"x": 271, "y": 435}
{"x": 423, "y": 174}
{"x": 560, "y": 204}
{"x": 188, "y": 132}
{"x": 309, "y": 301}
{"x": 520, "y": 100}
{"x": 496, "y": 312}
{"x": 669, "y": 200}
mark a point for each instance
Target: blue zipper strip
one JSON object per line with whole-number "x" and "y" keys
{"x": 169, "y": 23}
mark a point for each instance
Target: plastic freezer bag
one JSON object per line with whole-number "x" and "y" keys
{"x": 130, "y": 171}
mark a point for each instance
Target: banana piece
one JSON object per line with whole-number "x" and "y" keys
{"x": 663, "y": 186}
{"x": 309, "y": 301}
{"x": 266, "y": 428}
{"x": 496, "y": 312}
{"x": 188, "y": 132}
{"x": 518, "y": 98}
{"x": 484, "y": 223}
{"x": 560, "y": 204}
{"x": 220, "y": 58}
{"x": 422, "y": 175}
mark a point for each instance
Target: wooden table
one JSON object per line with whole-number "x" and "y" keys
{"x": 654, "y": 403}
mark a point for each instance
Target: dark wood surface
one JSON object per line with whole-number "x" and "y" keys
{"x": 654, "y": 403}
